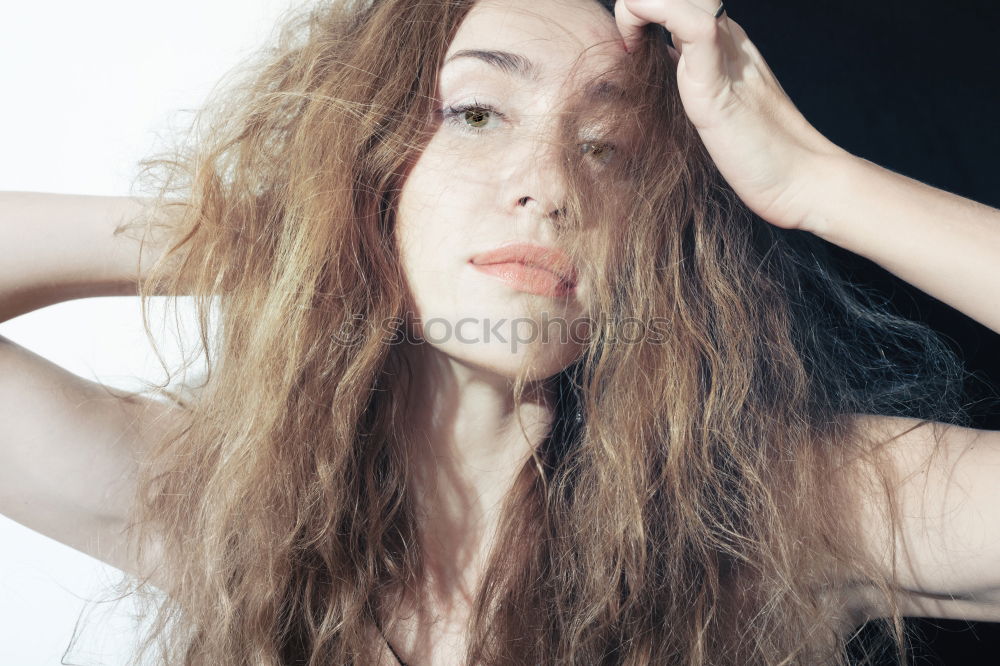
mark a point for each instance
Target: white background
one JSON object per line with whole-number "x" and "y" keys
{"x": 88, "y": 89}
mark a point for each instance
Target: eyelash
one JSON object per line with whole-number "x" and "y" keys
{"x": 453, "y": 115}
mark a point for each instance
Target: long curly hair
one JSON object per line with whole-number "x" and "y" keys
{"x": 690, "y": 504}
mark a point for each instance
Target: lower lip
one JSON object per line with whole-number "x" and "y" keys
{"x": 527, "y": 278}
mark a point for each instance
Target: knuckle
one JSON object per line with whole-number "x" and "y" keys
{"x": 707, "y": 29}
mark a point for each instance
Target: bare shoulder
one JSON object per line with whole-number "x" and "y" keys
{"x": 945, "y": 547}
{"x": 69, "y": 454}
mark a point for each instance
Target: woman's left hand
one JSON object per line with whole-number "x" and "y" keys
{"x": 765, "y": 149}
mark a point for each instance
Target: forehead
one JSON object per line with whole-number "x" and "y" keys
{"x": 555, "y": 35}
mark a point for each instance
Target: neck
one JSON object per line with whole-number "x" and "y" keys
{"x": 465, "y": 449}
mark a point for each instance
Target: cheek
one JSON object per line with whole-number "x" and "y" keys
{"x": 431, "y": 238}
{"x": 419, "y": 228}
{"x": 439, "y": 208}
{"x": 415, "y": 208}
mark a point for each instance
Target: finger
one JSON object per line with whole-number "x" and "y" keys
{"x": 629, "y": 25}
{"x": 709, "y": 6}
{"x": 695, "y": 32}
{"x": 687, "y": 19}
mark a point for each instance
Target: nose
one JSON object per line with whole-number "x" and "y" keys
{"x": 535, "y": 185}
{"x": 549, "y": 211}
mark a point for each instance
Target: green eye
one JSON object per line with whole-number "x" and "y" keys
{"x": 473, "y": 118}
{"x": 602, "y": 152}
{"x": 477, "y": 118}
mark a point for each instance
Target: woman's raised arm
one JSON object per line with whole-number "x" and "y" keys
{"x": 68, "y": 446}
{"x": 58, "y": 247}
{"x": 947, "y": 543}
{"x": 942, "y": 243}
{"x": 782, "y": 168}
{"x": 788, "y": 173}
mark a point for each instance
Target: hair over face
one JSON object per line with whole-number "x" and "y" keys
{"x": 685, "y": 519}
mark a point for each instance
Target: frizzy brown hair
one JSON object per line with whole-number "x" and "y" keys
{"x": 685, "y": 519}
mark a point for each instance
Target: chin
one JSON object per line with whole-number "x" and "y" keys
{"x": 502, "y": 335}
{"x": 537, "y": 360}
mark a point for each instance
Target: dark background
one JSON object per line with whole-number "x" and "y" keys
{"x": 912, "y": 86}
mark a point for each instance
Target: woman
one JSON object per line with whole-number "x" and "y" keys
{"x": 506, "y": 371}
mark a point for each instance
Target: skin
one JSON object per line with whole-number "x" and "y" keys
{"x": 468, "y": 193}
{"x": 793, "y": 177}
{"x": 54, "y": 421}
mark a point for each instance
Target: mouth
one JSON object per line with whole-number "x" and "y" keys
{"x": 529, "y": 268}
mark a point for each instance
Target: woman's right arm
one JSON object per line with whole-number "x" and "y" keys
{"x": 58, "y": 247}
{"x": 69, "y": 449}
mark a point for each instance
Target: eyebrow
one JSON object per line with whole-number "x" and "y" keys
{"x": 515, "y": 64}
{"x": 505, "y": 61}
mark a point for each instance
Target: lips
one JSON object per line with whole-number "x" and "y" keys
{"x": 532, "y": 256}
{"x": 529, "y": 268}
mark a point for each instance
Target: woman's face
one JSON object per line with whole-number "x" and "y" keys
{"x": 489, "y": 178}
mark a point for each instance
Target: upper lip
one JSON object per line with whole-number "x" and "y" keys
{"x": 547, "y": 258}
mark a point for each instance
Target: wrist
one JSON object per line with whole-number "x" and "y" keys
{"x": 834, "y": 176}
